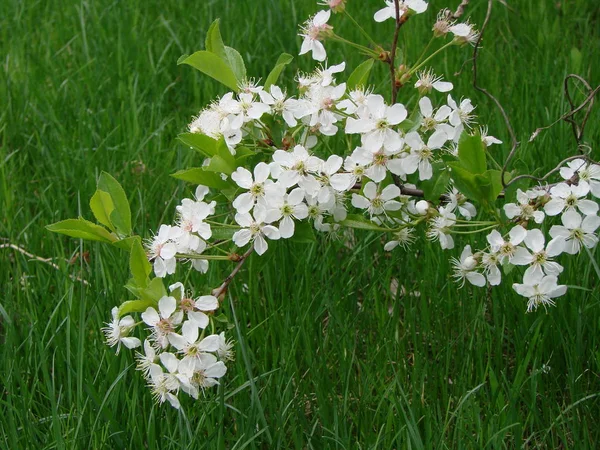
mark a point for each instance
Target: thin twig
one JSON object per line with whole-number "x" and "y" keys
{"x": 393, "y": 52}
{"x": 578, "y": 130}
{"x": 221, "y": 289}
{"x": 568, "y": 115}
{"x": 556, "y": 169}
{"x": 459, "y": 11}
{"x": 44, "y": 260}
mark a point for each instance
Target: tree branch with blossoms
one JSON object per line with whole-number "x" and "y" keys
{"x": 332, "y": 156}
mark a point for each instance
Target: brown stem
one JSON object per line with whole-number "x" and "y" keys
{"x": 223, "y": 288}
{"x": 393, "y": 52}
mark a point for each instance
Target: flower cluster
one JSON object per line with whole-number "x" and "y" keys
{"x": 283, "y": 169}
{"x": 178, "y": 354}
{"x": 525, "y": 244}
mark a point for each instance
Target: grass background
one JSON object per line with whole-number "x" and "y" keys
{"x": 334, "y": 357}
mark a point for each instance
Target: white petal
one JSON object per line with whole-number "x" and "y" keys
{"x": 167, "y": 306}
{"x": 260, "y": 245}
{"x": 242, "y": 177}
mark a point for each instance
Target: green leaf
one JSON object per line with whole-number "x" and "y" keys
{"x": 283, "y": 60}
{"x": 213, "y": 66}
{"x": 199, "y": 175}
{"x": 471, "y": 153}
{"x": 81, "y": 228}
{"x": 214, "y": 44}
{"x": 224, "y": 152}
{"x": 236, "y": 62}
{"x": 127, "y": 243}
{"x": 359, "y": 222}
{"x": 102, "y": 206}
{"x": 465, "y": 182}
{"x": 221, "y": 318}
{"x": 222, "y": 233}
{"x": 218, "y": 165}
{"x": 120, "y": 216}
{"x": 360, "y": 75}
{"x": 213, "y": 41}
{"x": 303, "y": 233}
{"x": 203, "y": 144}
{"x": 133, "y": 306}
{"x": 438, "y": 183}
{"x": 155, "y": 290}
{"x": 495, "y": 179}
{"x": 138, "y": 264}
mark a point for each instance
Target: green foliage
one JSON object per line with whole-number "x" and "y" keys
{"x": 471, "y": 153}
{"x": 81, "y": 228}
{"x": 201, "y": 175}
{"x": 112, "y": 205}
{"x": 283, "y": 60}
{"x": 139, "y": 265}
{"x": 133, "y": 306}
{"x": 360, "y": 75}
{"x": 438, "y": 183}
{"x": 470, "y": 173}
{"x": 213, "y": 66}
{"x": 218, "y": 61}
{"x": 359, "y": 222}
{"x": 304, "y": 233}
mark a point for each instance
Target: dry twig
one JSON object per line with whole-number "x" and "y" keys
{"x": 39, "y": 258}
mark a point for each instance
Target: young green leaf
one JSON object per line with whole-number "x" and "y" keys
{"x": 214, "y": 42}
{"x": 155, "y": 290}
{"x": 360, "y": 75}
{"x": 283, "y": 60}
{"x": 126, "y": 243}
{"x": 471, "y": 153}
{"x": 198, "y": 175}
{"x": 359, "y": 222}
{"x": 138, "y": 264}
{"x": 203, "y": 144}
{"x": 219, "y": 165}
{"x": 236, "y": 62}
{"x": 303, "y": 233}
{"x": 102, "y": 206}
{"x": 438, "y": 183}
{"x": 222, "y": 233}
{"x": 120, "y": 216}
{"x": 133, "y": 306}
{"x": 212, "y": 65}
{"x": 81, "y": 228}
{"x": 465, "y": 182}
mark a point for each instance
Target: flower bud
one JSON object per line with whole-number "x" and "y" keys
{"x": 469, "y": 263}
{"x": 422, "y": 207}
{"x": 337, "y": 6}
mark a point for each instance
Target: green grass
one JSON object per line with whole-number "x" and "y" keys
{"x": 333, "y": 358}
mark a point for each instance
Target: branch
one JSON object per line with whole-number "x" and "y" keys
{"x": 578, "y": 131}
{"x": 459, "y": 11}
{"x": 399, "y": 22}
{"x": 556, "y": 169}
{"x": 40, "y": 259}
{"x": 218, "y": 292}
